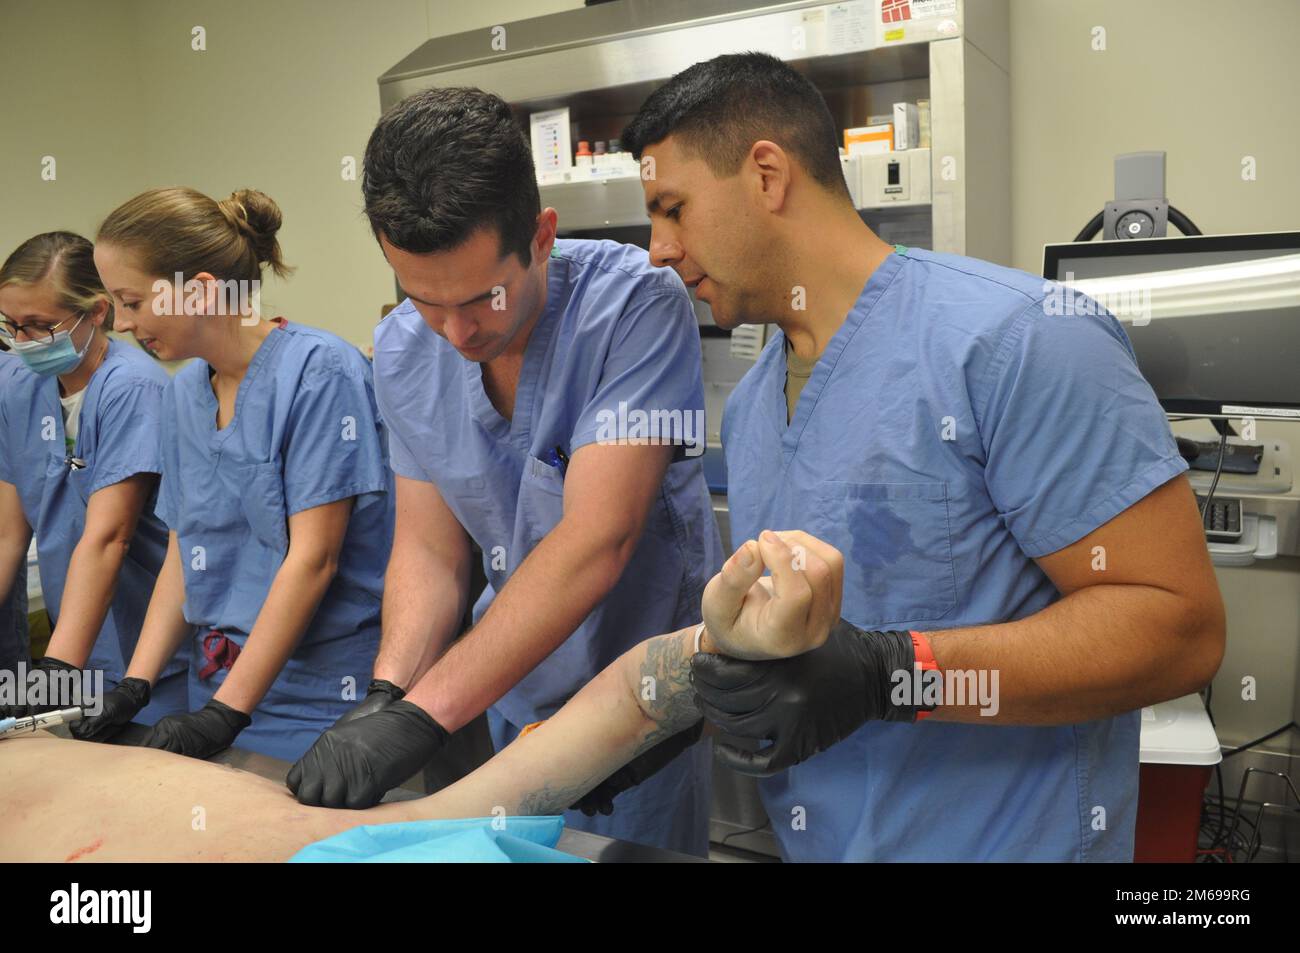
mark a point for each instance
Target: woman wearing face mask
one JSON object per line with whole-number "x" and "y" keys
{"x": 275, "y": 485}
{"x": 80, "y": 456}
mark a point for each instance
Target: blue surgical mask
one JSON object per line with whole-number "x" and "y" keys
{"x": 51, "y": 358}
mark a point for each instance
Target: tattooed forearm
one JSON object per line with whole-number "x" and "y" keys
{"x": 550, "y": 799}
{"x": 662, "y": 686}
{"x": 665, "y": 692}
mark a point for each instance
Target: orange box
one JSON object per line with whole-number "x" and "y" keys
{"x": 869, "y": 140}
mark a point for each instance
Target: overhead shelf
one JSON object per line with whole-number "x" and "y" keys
{"x": 601, "y": 62}
{"x": 620, "y": 203}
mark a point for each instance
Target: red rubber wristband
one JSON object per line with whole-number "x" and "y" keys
{"x": 924, "y": 658}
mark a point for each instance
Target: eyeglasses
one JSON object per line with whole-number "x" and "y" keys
{"x": 39, "y": 333}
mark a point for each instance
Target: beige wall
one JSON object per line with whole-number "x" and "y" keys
{"x": 1204, "y": 81}
{"x": 70, "y": 89}
{"x": 284, "y": 91}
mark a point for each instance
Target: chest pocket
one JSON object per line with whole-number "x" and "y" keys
{"x": 262, "y": 500}
{"x": 541, "y": 504}
{"x": 80, "y": 481}
{"x": 897, "y": 550}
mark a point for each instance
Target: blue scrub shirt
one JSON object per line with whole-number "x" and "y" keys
{"x": 953, "y": 431}
{"x": 614, "y": 330}
{"x": 118, "y": 437}
{"x": 305, "y": 433}
{"x": 14, "y": 642}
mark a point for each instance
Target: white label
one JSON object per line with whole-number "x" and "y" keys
{"x": 550, "y": 140}
{"x": 1238, "y": 411}
{"x": 848, "y": 27}
{"x": 933, "y": 8}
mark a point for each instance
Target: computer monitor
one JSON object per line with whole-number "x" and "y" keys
{"x": 1214, "y": 319}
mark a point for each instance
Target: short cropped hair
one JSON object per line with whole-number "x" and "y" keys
{"x": 719, "y": 108}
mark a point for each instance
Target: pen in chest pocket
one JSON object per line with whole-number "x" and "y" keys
{"x": 558, "y": 459}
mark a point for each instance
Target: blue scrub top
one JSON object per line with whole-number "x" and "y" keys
{"x": 118, "y": 438}
{"x": 14, "y": 642}
{"x": 614, "y": 329}
{"x": 305, "y": 433}
{"x": 953, "y": 431}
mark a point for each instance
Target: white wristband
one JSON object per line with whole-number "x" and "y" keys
{"x": 699, "y": 633}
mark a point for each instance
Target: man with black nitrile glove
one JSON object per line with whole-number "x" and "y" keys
{"x": 592, "y": 538}
{"x": 807, "y": 703}
{"x": 361, "y": 758}
{"x": 982, "y": 448}
{"x": 370, "y": 750}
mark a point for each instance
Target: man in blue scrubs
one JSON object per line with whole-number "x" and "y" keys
{"x": 544, "y": 399}
{"x": 1000, "y": 479}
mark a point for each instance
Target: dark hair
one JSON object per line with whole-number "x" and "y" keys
{"x": 446, "y": 162}
{"x": 719, "y": 108}
{"x": 68, "y": 261}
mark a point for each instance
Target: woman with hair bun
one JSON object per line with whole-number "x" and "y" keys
{"x": 80, "y": 457}
{"x": 275, "y": 487}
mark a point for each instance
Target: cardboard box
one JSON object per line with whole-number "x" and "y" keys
{"x": 869, "y": 140}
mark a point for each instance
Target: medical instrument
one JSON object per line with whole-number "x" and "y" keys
{"x": 49, "y": 719}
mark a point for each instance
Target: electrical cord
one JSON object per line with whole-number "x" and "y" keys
{"x": 1217, "y": 828}
{"x": 1234, "y": 842}
{"x": 1259, "y": 741}
{"x": 1218, "y": 468}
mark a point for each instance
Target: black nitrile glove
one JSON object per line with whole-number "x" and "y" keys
{"x": 355, "y": 763}
{"x": 804, "y": 704}
{"x": 379, "y": 695}
{"x": 48, "y": 665}
{"x": 601, "y": 797}
{"x": 123, "y": 703}
{"x": 198, "y": 734}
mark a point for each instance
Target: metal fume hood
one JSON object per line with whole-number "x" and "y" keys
{"x": 602, "y": 61}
